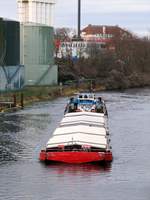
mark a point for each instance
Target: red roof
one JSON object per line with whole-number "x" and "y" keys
{"x": 102, "y": 29}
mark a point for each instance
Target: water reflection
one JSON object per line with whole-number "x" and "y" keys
{"x": 79, "y": 169}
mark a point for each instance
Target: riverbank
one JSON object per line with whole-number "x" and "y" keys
{"x": 26, "y": 96}
{"x": 30, "y": 95}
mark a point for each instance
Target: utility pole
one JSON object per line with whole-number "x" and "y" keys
{"x": 79, "y": 19}
{"x": 78, "y": 36}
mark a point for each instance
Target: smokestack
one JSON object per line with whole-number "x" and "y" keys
{"x": 79, "y": 18}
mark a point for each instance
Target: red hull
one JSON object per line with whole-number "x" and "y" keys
{"x": 76, "y": 157}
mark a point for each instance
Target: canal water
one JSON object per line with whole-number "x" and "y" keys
{"x": 24, "y": 133}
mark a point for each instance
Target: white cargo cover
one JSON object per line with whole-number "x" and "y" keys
{"x": 74, "y": 119}
{"x": 78, "y": 138}
{"x": 82, "y": 128}
{"x": 73, "y": 114}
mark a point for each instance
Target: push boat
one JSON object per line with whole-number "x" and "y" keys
{"x": 81, "y": 137}
{"x": 86, "y": 102}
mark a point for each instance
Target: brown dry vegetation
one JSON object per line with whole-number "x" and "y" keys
{"x": 126, "y": 66}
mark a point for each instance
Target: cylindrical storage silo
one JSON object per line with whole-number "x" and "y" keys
{"x": 37, "y": 54}
{"x": 12, "y": 38}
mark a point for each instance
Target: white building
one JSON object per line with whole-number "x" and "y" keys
{"x": 78, "y": 49}
{"x": 75, "y": 49}
{"x": 36, "y": 11}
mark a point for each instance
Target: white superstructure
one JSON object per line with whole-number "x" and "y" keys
{"x": 36, "y": 11}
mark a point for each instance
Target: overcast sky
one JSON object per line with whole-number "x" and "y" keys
{"x": 133, "y": 15}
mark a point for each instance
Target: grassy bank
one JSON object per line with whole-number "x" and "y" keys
{"x": 42, "y": 93}
{"x": 47, "y": 93}
{"x": 32, "y": 95}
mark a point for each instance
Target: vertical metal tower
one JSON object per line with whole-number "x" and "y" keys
{"x": 79, "y": 19}
{"x": 36, "y": 11}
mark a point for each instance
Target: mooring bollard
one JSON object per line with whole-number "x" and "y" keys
{"x": 14, "y": 101}
{"x": 61, "y": 88}
{"x": 22, "y": 100}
